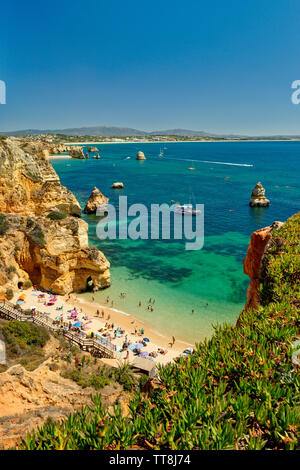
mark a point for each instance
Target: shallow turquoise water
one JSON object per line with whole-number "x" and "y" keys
{"x": 211, "y": 280}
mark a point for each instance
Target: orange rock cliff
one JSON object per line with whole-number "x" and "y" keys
{"x": 257, "y": 248}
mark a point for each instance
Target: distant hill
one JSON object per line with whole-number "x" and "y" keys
{"x": 106, "y": 131}
{"x": 184, "y": 132}
{"x": 100, "y": 131}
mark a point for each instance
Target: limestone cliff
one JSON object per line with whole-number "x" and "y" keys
{"x": 42, "y": 237}
{"x": 28, "y": 399}
{"x": 43, "y": 149}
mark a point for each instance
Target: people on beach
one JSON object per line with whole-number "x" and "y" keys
{"x": 110, "y": 334}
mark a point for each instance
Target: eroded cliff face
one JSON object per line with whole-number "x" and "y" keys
{"x": 257, "y": 248}
{"x": 43, "y": 149}
{"x": 28, "y": 399}
{"x": 42, "y": 237}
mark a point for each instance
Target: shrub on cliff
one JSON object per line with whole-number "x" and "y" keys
{"x": 25, "y": 333}
{"x": 92, "y": 252}
{"x": 37, "y": 235}
{"x": 3, "y": 224}
{"x": 9, "y": 294}
{"x": 54, "y": 215}
{"x": 24, "y": 343}
{"x": 27, "y": 284}
{"x": 124, "y": 375}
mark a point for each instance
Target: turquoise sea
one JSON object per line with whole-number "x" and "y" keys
{"x": 209, "y": 281}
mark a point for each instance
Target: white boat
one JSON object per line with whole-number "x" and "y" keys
{"x": 161, "y": 153}
{"x": 186, "y": 209}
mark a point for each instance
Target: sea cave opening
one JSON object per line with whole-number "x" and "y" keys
{"x": 89, "y": 284}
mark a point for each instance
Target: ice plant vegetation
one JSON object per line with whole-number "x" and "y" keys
{"x": 239, "y": 390}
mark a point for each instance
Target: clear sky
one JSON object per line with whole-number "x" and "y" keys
{"x": 219, "y": 66}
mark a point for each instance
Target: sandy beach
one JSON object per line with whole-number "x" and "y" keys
{"x": 59, "y": 156}
{"x": 91, "y": 321}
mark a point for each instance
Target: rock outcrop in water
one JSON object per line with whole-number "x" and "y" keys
{"x": 42, "y": 237}
{"x": 140, "y": 156}
{"x": 117, "y": 185}
{"x": 76, "y": 152}
{"x": 96, "y": 199}
{"x": 258, "y": 198}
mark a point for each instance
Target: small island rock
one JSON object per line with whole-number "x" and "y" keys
{"x": 76, "y": 152}
{"x": 258, "y": 198}
{"x": 93, "y": 149}
{"x": 95, "y": 200}
{"x": 140, "y": 156}
{"x": 117, "y": 185}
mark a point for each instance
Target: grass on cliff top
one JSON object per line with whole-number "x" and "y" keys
{"x": 239, "y": 390}
{"x": 24, "y": 343}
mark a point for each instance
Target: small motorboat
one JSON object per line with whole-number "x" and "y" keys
{"x": 186, "y": 209}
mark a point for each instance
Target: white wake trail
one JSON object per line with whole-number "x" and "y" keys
{"x": 209, "y": 161}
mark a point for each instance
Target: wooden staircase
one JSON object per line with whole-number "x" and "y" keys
{"x": 93, "y": 346}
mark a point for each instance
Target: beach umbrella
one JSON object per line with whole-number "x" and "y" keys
{"x": 77, "y": 324}
{"x": 74, "y": 314}
{"x": 138, "y": 346}
{"x": 144, "y": 354}
{"x": 32, "y": 307}
{"x": 22, "y": 297}
{"x": 146, "y": 340}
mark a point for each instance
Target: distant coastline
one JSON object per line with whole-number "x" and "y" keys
{"x": 180, "y": 141}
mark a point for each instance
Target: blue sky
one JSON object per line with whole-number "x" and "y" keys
{"x": 221, "y": 66}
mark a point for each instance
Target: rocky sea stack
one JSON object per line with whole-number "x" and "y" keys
{"x": 76, "y": 152}
{"x": 117, "y": 185}
{"x": 42, "y": 237}
{"x": 258, "y": 198}
{"x": 140, "y": 156}
{"x": 95, "y": 200}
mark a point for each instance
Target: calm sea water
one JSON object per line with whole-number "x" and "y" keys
{"x": 209, "y": 281}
